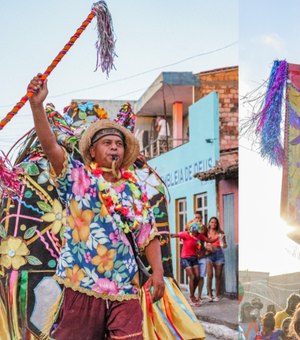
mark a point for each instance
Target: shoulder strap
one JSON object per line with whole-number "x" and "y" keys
{"x": 134, "y": 247}
{"x": 136, "y": 255}
{"x": 248, "y": 329}
{"x": 254, "y": 324}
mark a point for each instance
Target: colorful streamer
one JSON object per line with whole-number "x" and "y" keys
{"x": 266, "y": 124}
{"x": 270, "y": 117}
{"x": 126, "y": 117}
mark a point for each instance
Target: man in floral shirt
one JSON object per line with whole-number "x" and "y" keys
{"x": 104, "y": 204}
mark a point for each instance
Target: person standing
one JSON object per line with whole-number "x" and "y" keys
{"x": 267, "y": 332}
{"x": 294, "y": 327}
{"x": 285, "y": 329}
{"x": 163, "y": 130}
{"x": 248, "y": 322}
{"x": 215, "y": 258}
{"x": 291, "y": 304}
{"x": 202, "y": 255}
{"x": 258, "y": 305}
{"x": 106, "y": 207}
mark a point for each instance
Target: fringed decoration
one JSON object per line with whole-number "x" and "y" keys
{"x": 105, "y": 48}
{"x": 106, "y": 41}
{"x": 126, "y": 117}
{"x": 10, "y": 185}
{"x": 270, "y": 123}
{"x": 268, "y": 120}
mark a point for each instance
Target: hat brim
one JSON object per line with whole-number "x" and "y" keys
{"x": 132, "y": 148}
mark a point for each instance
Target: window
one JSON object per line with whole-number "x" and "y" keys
{"x": 181, "y": 220}
{"x": 200, "y": 205}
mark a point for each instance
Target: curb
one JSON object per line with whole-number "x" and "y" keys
{"x": 219, "y": 331}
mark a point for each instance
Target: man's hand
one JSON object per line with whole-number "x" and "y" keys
{"x": 40, "y": 90}
{"x": 156, "y": 286}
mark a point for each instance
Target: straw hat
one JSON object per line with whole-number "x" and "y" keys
{"x": 132, "y": 148}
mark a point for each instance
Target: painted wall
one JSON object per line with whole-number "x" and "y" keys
{"x": 178, "y": 166}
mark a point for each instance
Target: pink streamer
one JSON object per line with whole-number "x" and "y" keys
{"x": 46, "y": 244}
{"x": 12, "y": 283}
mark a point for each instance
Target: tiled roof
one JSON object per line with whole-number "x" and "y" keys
{"x": 219, "y": 171}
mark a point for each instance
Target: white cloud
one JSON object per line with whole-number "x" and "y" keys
{"x": 272, "y": 40}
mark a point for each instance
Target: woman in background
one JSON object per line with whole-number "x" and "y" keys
{"x": 268, "y": 325}
{"x": 285, "y": 329}
{"x": 294, "y": 329}
{"x": 215, "y": 258}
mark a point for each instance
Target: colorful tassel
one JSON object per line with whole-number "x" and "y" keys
{"x": 270, "y": 124}
{"x": 106, "y": 41}
{"x": 126, "y": 117}
{"x": 267, "y": 122}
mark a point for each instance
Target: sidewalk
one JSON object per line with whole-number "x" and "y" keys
{"x": 219, "y": 319}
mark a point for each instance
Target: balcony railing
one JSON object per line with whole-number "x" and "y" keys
{"x": 159, "y": 146}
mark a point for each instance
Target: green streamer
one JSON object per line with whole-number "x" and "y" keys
{"x": 23, "y": 292}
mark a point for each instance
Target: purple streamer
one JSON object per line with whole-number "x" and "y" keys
{"x": 269, "y": 119}
{"x": 106, "y": 41}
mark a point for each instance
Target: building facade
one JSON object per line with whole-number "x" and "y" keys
{"x": 200, "y": 166}
{"x": 225, "y": 172}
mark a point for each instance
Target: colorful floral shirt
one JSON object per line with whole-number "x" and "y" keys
{"x": 96, "y": 257}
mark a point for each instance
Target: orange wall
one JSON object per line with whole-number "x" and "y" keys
{"x": 177, "y": 123}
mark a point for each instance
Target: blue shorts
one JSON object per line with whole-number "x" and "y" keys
{"x": 202, "y": 266}
{"x": 217, "y": 257}
{"x": 189, "y": 262}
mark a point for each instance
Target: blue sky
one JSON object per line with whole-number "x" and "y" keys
{"x": 268, "y": 30}
{"x": 150, "y": 35}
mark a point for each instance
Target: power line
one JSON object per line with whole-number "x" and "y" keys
{"x": 145, "y": 72}
{"x": 245, "y": 147}
{"x": 140, "y": 73}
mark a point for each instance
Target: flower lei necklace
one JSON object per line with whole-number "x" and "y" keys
{"x": 110, "y": 197}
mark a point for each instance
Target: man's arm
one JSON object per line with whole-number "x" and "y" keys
{"x": 156, "y": 280}
{"x": 52, "y": 149}
{"x": 174, "y": 235}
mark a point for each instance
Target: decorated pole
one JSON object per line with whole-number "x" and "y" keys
{"x": 105, "y": 50}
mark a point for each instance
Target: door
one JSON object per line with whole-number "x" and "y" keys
{"x": 230, "y": 268}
